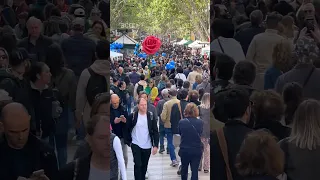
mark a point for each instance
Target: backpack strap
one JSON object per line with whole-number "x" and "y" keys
{"x": 308, "y": 77}
{"x": 76, "y": 169}
{"x": 224, "y": 150}
{"x": 91, "y": 71}
{"x": 179, "y": 107}
{"x": 151, "y": 115}
{"x": 220, "y": 46}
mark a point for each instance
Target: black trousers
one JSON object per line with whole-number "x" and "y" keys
{"x": 141, "y": 159}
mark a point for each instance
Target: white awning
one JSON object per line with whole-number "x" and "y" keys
{"x": 125, "y": 39}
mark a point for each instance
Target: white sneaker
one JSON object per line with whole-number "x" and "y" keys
{"x": 147, "y": 175}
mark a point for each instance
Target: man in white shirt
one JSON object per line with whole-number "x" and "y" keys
{"x": 143, "y": 137}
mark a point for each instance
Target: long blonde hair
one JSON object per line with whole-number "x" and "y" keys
{"x": 282, "y": 55}
{"x": 205, "y": 101}
{"x": 306, "y": 125}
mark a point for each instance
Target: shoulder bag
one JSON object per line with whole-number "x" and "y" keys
{"x": 224, "y": 151}
{"x": 308, "y": 77}
{"x": 179, "y": 107}
{"x": 76, "y": 169}
{"x": 194, "y": 129}
{"x": 220, "y": 45}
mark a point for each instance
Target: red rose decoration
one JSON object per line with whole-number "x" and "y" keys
{"x": 151, "y": 45}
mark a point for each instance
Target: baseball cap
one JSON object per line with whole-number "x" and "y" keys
{"x": 79, "y": 12}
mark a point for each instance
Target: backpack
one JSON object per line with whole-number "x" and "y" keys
{"x": 140, "y": 88}
{"x": 97, "y": 84}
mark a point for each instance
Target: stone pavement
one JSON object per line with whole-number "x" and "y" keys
{"x": 159, "y": 168}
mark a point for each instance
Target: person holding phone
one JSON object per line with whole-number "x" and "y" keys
{"x": 118, "y": 121}
{"x": 23, "y": 156}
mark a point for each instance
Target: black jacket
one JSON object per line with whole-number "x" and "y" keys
{"x": 275, "y": 127}
{"x": 79, "y": 52}
{"x": 83, "y": 169}
{"x": 235, "y": 132}
{"x": 42, "y": 110}
{"x": 119, "y": 128}
{"x": 152, "y": 125}
{"x": 175, "y": 116}
{"x": 36, "y": 52}
{"x": 34, "y": 156}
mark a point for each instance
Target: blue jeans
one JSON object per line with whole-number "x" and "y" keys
{"x": 170, "y": 144}
{"x": 161, "y": 135}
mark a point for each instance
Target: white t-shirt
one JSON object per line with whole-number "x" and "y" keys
{"x": 140, "y": 133}
{"x": 97, "y": 174}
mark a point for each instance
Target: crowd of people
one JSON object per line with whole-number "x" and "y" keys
{"x": 151, "y": 103}
{"x": 264, "y": 94}
{"x": 54, "y": 90}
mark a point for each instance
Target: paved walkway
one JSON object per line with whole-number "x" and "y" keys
{"x": 159, "y": 168}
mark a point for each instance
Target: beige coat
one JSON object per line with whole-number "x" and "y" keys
{"x": 192, "y": 77}
{"x": 260, "y": 53}
{"x": 166, "y": 112}
{"x": 141, "y": 82}
{"x": 83, "y": 108}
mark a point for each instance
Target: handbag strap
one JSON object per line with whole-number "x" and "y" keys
{"x": 179, "y": 107}
{"x": 220, "y": 46}
{"x": 194, "y": 129}
{"x": 76, "y": 167}
{"x": 308, "y": 77}
{"x": 224, "y": 150}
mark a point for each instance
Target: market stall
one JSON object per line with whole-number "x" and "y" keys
{"x": 115, "y": 56}
{"x": 205, "y": 50}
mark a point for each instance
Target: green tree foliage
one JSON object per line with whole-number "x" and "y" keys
{"x": 163, "y": 17}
